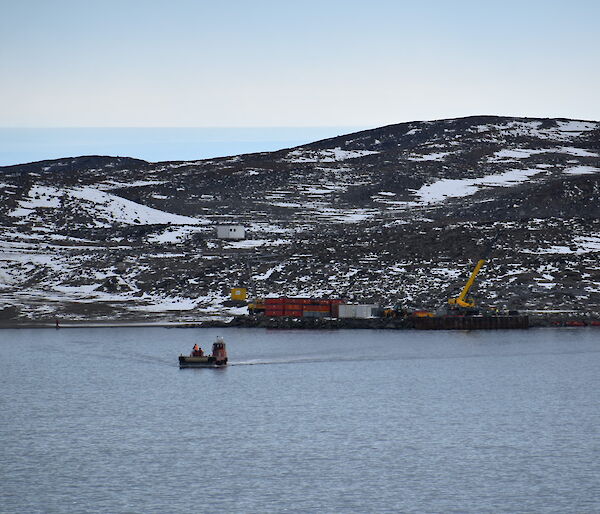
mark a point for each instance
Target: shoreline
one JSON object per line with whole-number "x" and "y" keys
{"x": 285, "y": 323}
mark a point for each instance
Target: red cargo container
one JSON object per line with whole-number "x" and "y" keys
{"x": 294, "y": 301}
{"x": 315, "y": 314}
{"x": 293, "y": 307}
{"x": 274, "y": 301}
{"x": 317, "y": 308}
{"x": 274, "y": 312}
{"x": 337, "y": 301}
{"x": 294, "y": 314}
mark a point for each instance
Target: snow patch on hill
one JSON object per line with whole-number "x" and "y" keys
{"x": 580, "y": 245}
{"x": 111, "y": 184}
{"x": 516, "y": 153}
{"x": 456, "y": 188}
{"x": 174, "y": 234}
{"x": 581, "y": 170}
{"x": 578, "y": 152}
{"x": 330, "y": 155}
{"x": 104, "y": 208}
{"x": 439, "y": 156}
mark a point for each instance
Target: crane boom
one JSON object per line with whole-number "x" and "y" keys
{"x": 462, "y": 299}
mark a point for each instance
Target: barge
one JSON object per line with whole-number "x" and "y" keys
{"x": 470, "y": 322}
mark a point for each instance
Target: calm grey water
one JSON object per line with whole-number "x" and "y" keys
{"x": 103, "y": 420}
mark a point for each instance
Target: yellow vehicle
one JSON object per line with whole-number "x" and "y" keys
{"x": 256, "y": 306}
{"x": 397, "y": 311}
{"x": 422, "y": 314}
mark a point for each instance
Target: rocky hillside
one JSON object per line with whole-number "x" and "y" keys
{"x": 397, "y": 214}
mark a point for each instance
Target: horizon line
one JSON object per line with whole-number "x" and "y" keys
{"x": 302, "y": 126}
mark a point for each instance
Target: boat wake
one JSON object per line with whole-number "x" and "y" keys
{"x": 261, "y": 362}
{"x": 301, "y": 360}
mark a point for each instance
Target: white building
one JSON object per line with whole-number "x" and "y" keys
{"x": 231, "y": 232}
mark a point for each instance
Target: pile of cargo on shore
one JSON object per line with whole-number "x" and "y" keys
{"x": 339, "y": 312}
{"x": 458, "y": 312}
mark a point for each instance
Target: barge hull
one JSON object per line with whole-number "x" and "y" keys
{"x": 471, "y": 323}
{"x": 200, "y": 362}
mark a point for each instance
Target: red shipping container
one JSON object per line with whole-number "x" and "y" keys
{"x": 274, "y": 301}
{"x": 294, "y": 314}
{"x": 293, "y": 307}
{"x": 317, "y": 308}
{"x": 337, "y": 301}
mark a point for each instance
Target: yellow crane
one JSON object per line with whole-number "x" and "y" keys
{"x": 462, "y": 300}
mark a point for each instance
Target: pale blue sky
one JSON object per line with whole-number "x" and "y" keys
{"x": 304, "y": 63}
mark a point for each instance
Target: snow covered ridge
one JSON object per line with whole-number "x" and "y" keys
{"x": 104, "y": 208}
{"x": 564, "y": 130}
{"x": 525, "y": 153}
{"x": 331, "y": 155}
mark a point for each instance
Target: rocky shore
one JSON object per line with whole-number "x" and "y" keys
{"x": 384, "y": 323}
{"x": 535, "y": 321}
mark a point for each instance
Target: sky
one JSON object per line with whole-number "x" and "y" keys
{"x": 306, "y": 63}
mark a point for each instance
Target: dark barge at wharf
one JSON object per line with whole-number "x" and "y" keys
{"x": 473, "y": 322}
{"x": 470, "y": 322}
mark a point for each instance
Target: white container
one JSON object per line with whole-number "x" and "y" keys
{"x": 347, "y": 311}
{"x": 362, "y": 311}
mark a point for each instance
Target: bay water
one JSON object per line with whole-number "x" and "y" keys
{"x": 103, "y": 420}
{"x": 23, "y": 145}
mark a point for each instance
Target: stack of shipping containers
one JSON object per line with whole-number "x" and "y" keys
{"x": 302, "y": 307}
